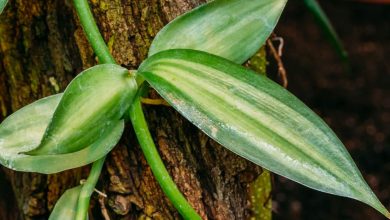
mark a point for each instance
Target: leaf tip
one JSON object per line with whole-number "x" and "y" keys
{"x": 376, "y": 204}
{"x": 382, "y": 209}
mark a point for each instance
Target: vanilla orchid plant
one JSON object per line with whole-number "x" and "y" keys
{"x": 194, "y": 63}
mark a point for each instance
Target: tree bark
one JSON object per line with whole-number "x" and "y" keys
{"x": 42, "y": 47}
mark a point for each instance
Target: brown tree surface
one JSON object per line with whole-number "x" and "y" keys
{"x": 42, "y": 47}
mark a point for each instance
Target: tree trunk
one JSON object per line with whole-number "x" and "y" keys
{"x": 42, "y": 47}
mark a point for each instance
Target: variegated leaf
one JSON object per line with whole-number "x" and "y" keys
{"x": 92, "y": 105}
{"x": 23, "y": 131}
{"x": 258, "y": 120}
{"x": 233, "y": 29}
{"x": 65, "y": 208}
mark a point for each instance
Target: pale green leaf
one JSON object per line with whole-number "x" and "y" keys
{"x": 92, "y": 105}
{"x": 66, "y": 206}
{"x": 233, "y": 29}
{"x": 258, "y": 120}
{"x": 23, "y": 131}
{"x": 3, "y": 3}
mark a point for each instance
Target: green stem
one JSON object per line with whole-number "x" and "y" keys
{"x": 140, "y": 126}
{"x": 99, "y": 46}
{"x": 87, "y": 190}
{"x": 92, "y": 32}
{"x": 156, "y": 164}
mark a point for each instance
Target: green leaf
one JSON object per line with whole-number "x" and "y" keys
{"x": 327, "y": 27}
{"x": 233, "y": 29}
{"x": 66, "y": 206}
{"x": 3, "y": 3}
{"x": 23, "y": 131}
{"x": 258, "y": 120}
{"x": 92, "y": 105}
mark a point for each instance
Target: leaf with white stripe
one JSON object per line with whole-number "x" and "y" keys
{"x": 23, "y": 131}
{"x": 92, "y": 105}
{"x": 258, "y": 120}
{"x": 66, "y": 206}
{"x": 233, "y": 29}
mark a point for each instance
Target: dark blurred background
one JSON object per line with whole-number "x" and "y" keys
{"x": 355, "y": 103}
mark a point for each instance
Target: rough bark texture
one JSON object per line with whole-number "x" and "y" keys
{"x": 42, "y": 47}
